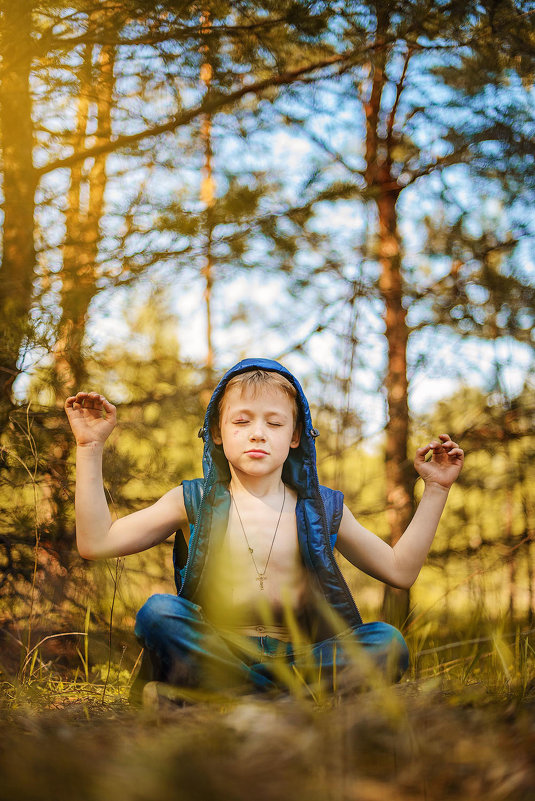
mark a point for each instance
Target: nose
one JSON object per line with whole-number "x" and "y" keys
{"x": 257, "y": 433}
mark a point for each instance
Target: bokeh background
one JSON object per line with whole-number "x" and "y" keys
{"x": 347, "y": 187}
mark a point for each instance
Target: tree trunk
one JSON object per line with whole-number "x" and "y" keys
{"x": 207, "y": 196}
{"x": 19, "y": 183}
{"x": 399, "y": 472}
{"x": 80, "y": 251}
{"x": 385, "y": 190}
{"x": 79, "y": 276}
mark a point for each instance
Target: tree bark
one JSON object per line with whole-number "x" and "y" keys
{"x": 385, "y": 190}
{"x": 19, "y": 183}
{"x": 79, "y": 277}
{"x": 207, "y": 196}
{"x": 399, "y": 472}
{"x": 80, "y": 251}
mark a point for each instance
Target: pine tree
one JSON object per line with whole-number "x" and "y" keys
{"x": 398, "y": 131}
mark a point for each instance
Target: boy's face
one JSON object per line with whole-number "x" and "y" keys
{"x": 257, "y": 429}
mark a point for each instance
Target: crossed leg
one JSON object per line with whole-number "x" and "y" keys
{"x": 185, "y": 650}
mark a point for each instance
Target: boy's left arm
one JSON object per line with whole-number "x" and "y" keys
{"x": 399, "y": 565}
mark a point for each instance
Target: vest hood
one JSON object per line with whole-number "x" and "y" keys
{"x": 299, "y": 470}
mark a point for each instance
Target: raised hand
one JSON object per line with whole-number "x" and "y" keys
{"x": 91, "y": 416}
{"x": 445, "y": 464}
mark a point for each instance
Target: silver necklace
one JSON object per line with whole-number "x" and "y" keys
{"x": 260, "y": 575}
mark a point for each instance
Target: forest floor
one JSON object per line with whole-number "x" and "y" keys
{"x": 461, "y": 728}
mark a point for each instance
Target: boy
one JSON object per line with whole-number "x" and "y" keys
{"x": 253, "y": 554}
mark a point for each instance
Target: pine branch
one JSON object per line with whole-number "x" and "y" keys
{"x": 186, "y": 32}
{"x": 210, "y": 105}
{"x": 393, "y": 111}
{"x": 456, "y": 157}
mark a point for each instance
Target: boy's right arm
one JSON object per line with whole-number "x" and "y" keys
{"x": 96, "y": 536}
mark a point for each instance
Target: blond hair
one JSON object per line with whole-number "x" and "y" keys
{"x": 257, "y": 379}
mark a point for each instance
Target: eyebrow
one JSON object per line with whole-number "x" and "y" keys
{"x": 251, "y": 412}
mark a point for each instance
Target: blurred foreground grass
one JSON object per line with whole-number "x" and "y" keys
{"x": 461, "y": 725}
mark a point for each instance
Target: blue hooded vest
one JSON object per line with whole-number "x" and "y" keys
{"x": 318, "y": 512}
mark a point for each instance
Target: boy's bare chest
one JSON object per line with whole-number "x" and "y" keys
{"x": 262, "y": 559}
{"x": 264, "y": 541}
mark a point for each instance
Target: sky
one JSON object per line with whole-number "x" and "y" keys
{"x": 451, "y": 362}
{"x": 286, "y": 154}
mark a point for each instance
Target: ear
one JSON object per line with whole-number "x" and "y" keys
{"x": 296, "y": 437}
{"x": 216, "y": 435}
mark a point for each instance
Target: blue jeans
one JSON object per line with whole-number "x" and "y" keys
{"x": 187, "y": 651}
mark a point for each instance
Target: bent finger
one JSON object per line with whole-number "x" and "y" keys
{"x": 107, "y": 405}
{"x": 422, "y": 451}
{"x": 456, "y": 452}
{"x": 92, "y": 401}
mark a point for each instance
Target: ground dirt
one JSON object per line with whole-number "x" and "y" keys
{"x": 416, "y": 741}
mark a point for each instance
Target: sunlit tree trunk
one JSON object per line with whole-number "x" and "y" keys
{"x": 19, "y": 183}
{"x": 208, "y": 199}
{"x": 385, "y": 191}
{"x": 84, "y": 213}
{"x": 80, "y": 274}
{"x": 399, "y": 472}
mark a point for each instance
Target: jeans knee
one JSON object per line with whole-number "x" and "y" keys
{"x": 387, "y": 644}
{"x": 401, "y": 650}
{"x": 163, "y": 614}
{"x": 153, "y": 612}
{"x": 397, "y": 648}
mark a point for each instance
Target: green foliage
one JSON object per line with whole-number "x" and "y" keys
{"x": 482, "y": 554}
{"x": 154, "y": 448}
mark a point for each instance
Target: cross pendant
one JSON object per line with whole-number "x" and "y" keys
{"x": 260, "y": 578}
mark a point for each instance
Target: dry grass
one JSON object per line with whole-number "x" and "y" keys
{"x": 461, "y": 726}
{"x": 413, "y": 742}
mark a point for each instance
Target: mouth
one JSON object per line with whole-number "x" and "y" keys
{"x": 256, "y": 452}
